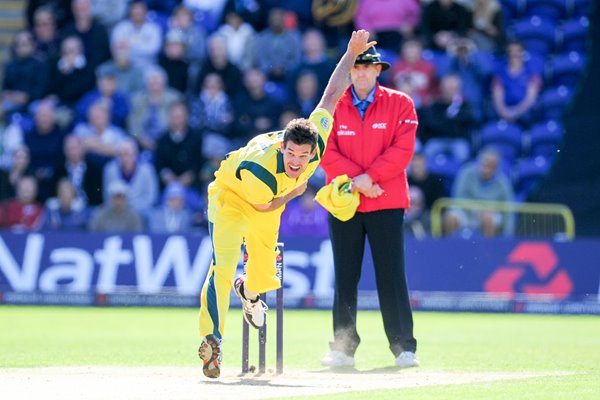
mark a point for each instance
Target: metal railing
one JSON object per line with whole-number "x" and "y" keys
{"x": 537, "y": 220}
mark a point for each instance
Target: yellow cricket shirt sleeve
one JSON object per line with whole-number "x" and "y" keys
{"x": 324, "y": 123}
{"x": 257, "y": 184}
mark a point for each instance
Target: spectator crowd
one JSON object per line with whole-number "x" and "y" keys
{"x": 114, "y": 115}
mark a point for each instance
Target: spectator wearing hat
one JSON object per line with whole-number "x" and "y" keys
{"x": 372, "y": 141}
{"x": 106, "y": 91}
{"x": 172, "y": 216}
{"x": 116, "y": 215}
{"x": 174, "y": 61}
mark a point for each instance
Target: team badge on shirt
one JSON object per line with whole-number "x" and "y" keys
{"x": 325, "y": 123}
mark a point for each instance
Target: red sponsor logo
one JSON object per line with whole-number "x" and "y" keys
{"x": 540, "y": 258}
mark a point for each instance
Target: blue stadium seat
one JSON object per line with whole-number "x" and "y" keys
{"x": 512, "y": 9}
{"x": 24, "y": 121}
{"x": 527, "y": 173}
{"x": 553, "y": 10}
{"x": 578, "y": 8}
{"x": 572, "y": 34}
{"x": 566, "y": 69}
{"x": 553, "y": 102}
{"x": 506, "y": 137}
{"x": 545, "y": 138}
{"x": 444, "y": 167}
{"x": 537, "y": 34}
{"x": 536, "y": 62}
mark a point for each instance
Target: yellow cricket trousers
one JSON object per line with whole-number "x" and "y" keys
{"x": 231, "y": 221}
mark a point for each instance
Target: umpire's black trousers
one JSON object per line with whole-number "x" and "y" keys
{"x": 384, "y": 230}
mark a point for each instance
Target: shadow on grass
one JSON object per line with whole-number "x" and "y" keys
{"x": 353, "y": 370}
{"x": 253, "y": 382}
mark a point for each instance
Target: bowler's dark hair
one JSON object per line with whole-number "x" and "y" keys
{"x": 301, "y": 131}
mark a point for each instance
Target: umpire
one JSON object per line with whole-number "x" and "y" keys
{"x": 372, "y": 141}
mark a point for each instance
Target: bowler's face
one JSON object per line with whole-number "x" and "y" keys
{"x": 364, "y": 76}
{"x": 296, "y": 158}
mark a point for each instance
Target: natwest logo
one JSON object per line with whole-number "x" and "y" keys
{"x": 72, "y": 269}
{"x": 540, "y": 258}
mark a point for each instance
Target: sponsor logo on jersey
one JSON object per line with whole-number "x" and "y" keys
{"x": 346, "y": 133}
{"x": 379, "y": 125}
{"x": 410, "y": 121}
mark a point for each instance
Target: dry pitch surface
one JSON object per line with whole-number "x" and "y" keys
{"x": 91, "y": 383}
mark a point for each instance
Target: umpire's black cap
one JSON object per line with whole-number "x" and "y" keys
{"x": 371, "y": 56}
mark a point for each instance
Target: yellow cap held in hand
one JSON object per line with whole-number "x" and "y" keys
{"x": 338, "y": 199}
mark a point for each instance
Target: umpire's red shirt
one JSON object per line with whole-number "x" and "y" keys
{"x": 381, "y": 145}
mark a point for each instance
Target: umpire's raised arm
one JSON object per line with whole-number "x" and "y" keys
{"x": 339, "y": 80}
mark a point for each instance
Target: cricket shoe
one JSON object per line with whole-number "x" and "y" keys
{"x": 407, "y": 359}
{"x": 337, "y": 359}
{"x": 254, "y": 311}
{"x": 211, "y": 356}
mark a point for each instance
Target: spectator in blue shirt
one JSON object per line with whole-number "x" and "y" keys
{"x": 516, "y": 87}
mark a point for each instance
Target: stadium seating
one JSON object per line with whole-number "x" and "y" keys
{"x": 553, "y": 101}
{"x": 544, "y": 138}
{"x": 537, "y": 34}
{"x": 572, "y": 35}
{"x": 578, "y": 8}
{"x": 527, "y": 173}
{"x": 512, "y": 9}
{"x": 553, "y": 10}
{"x": 565, "y": 69}
{"x": 505, "y": 136}
{"x": 444, "y": 167}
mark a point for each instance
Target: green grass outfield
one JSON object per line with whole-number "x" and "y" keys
{"x": 456, "y": 342}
